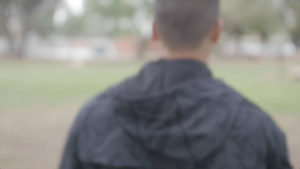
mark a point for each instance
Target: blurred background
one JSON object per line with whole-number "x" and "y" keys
{"x": 56, "y": 54}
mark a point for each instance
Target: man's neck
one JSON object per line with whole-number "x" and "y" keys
{"x": 204, "y": 58}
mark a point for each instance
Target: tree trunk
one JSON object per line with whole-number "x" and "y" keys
{"x": 22, "y": 46}
{"x": 12, "y": 45}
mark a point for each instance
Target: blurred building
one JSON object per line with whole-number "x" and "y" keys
{"x": 81, "y": 49}
{"x": 253, "y": 46}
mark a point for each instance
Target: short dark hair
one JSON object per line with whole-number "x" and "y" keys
{"x": 185, "y": 23}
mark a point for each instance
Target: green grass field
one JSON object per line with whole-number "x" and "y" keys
{"x": 33, "y": 83}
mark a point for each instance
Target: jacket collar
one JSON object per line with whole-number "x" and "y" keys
{"x": 167, "y": 73}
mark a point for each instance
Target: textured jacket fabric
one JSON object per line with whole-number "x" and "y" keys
{"x": 174, "y": 115}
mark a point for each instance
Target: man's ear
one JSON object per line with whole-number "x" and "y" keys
{"x": 217, "y": 31}
{"x": 155, "y": 35}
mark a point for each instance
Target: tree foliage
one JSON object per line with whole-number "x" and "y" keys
{"x": 19, "y": 17}
{"x": 259, "y": 16}
{"x": 294, "y": 6}
{"x": 108, "y": 17}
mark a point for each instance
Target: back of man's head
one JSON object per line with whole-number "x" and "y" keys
{"x": 184, "y": 24}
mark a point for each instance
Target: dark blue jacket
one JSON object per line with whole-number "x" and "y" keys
{"x": 174, "y": 115}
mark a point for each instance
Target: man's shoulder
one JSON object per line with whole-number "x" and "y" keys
{"x": 252, "y": 120}
{"x": 98, "y": 111}
{"x": 249, "y": 113}
{"x": 109, "y": 98}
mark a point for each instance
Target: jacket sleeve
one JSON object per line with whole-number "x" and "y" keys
{"x": 70, "y": 159}
{"x": 277, "y": 152}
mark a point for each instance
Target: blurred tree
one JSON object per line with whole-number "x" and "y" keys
{"x": 257, "y": 16}
{"x": 42, "y": 19}
{"x": 74, "y": 26}
{"x": 294, "y": 6}
{"x": 109, "y": 18}
{"x": 17, "y": 20}
{"x": 101, "y": 17}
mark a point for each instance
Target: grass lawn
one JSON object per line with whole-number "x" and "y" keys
{"x": 262, "y": 83}
{"x": 33, "y": 83}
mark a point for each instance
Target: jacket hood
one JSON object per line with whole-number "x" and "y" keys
{"x": 175, "y": 111}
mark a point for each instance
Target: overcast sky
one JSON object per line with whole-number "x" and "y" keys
{"x": 76, "y": 6}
